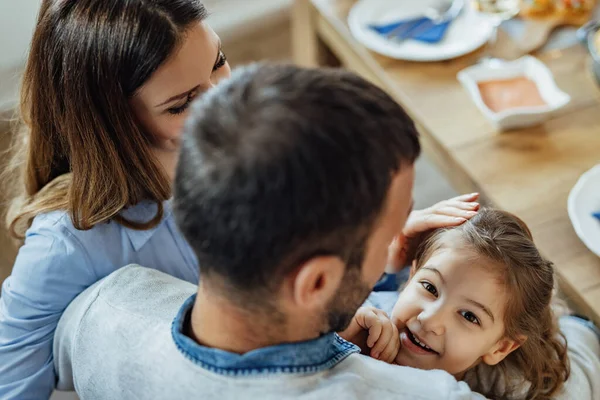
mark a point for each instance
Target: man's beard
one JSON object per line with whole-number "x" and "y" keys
{"x": 351, "y": 294}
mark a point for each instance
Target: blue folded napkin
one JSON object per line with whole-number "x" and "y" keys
{"x": 596, "y": 215}
{"x": 422, "y": 29}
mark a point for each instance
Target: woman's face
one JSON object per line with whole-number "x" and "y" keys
{"x": 161, "y": 105}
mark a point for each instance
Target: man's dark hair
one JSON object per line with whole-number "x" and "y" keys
{"x": 280, "y": 164}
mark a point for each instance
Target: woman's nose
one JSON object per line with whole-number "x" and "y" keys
{"x": 432, "y": 319}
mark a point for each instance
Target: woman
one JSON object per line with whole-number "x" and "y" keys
{"x": 105, "y": 93}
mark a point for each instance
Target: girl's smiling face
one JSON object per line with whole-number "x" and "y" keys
{"x": 450, "y": 315}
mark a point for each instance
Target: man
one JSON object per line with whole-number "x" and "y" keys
{"x": 290, "y": 186}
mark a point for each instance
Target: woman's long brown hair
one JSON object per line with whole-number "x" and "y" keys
{"x": 78, "y": 147}
{"x": 542, "y": 359}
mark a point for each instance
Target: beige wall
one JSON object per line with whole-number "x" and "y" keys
{"x": 17, "y": 19}
{"x": 7, "y": 247}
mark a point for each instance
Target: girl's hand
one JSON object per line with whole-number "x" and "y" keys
{"x": 447, "y": 213}
{"x": 373, "y": 331}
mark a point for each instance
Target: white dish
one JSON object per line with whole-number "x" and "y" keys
{"x": 584, "y": 199}
{"x": 529, "y": 67}
{"x": 468, "y": 31}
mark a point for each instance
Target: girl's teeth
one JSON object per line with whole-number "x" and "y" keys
{"x": 421, "y": 343}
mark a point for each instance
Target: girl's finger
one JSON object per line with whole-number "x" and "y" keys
{"x": 396, "y": 320}
{"x": 466, "y": 197}
{"x": 375, "y": 332}
{"x": 366, "y": 317}
{"x": 463, "y": 205}
{"x": 393, "y": 347}
{"x": 384, "y": 337}
{"x": 455, "y": 212}
{"x": 380, "y": 313}
{"x": 435, "y": 221}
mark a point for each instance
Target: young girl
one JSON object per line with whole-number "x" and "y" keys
{"x": 478, "y": 305}
{"x": 105, "y": 93}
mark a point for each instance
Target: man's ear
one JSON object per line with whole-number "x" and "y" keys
{"x": 502, "y": 349}
{"x": 317, "y": 281}
{"x": 413, "y": 269}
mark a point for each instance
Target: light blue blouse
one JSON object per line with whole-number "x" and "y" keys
{"x": 55, "y": 264}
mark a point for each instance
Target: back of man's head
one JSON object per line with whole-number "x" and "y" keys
{"x": 281, "y": 164}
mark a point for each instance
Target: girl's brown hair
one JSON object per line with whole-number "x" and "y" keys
{"x": 79, "y": 147}
{"x": 542, "y": 359}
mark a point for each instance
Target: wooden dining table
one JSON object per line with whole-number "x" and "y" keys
{"x": 528, "y": 172}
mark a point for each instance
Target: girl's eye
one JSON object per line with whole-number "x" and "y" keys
{"x": 469, "y": 316}
{"x": 180, "y": 109}
{"x": 430, "y": 288}
{"x": 221, "y": 61}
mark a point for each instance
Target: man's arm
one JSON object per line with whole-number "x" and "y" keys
{"x": 66, "y": 334}
{"x": 85, "y": 344}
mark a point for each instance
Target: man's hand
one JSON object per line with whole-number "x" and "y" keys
{"x": 372, "y": 330}
{"x": 447, "y": 213}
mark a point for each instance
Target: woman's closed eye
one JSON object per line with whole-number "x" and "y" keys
{"x": 221, "y": 60}
{"x": 470, "y": 317}
{"x": 429, "y": 287}
{"x": 179, "y": 109}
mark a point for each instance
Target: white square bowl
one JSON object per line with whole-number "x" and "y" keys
{"x": 528, "y": 67}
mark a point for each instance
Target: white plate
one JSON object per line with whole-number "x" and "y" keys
{"x": 584, "y": 199}
{"x": 468, "y": 31}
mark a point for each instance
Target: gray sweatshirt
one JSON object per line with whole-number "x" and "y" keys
{"x": 123, "y": 338}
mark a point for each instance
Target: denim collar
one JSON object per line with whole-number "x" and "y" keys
{"x": 144, "y": 211}
{"x": 289, "y": 358}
